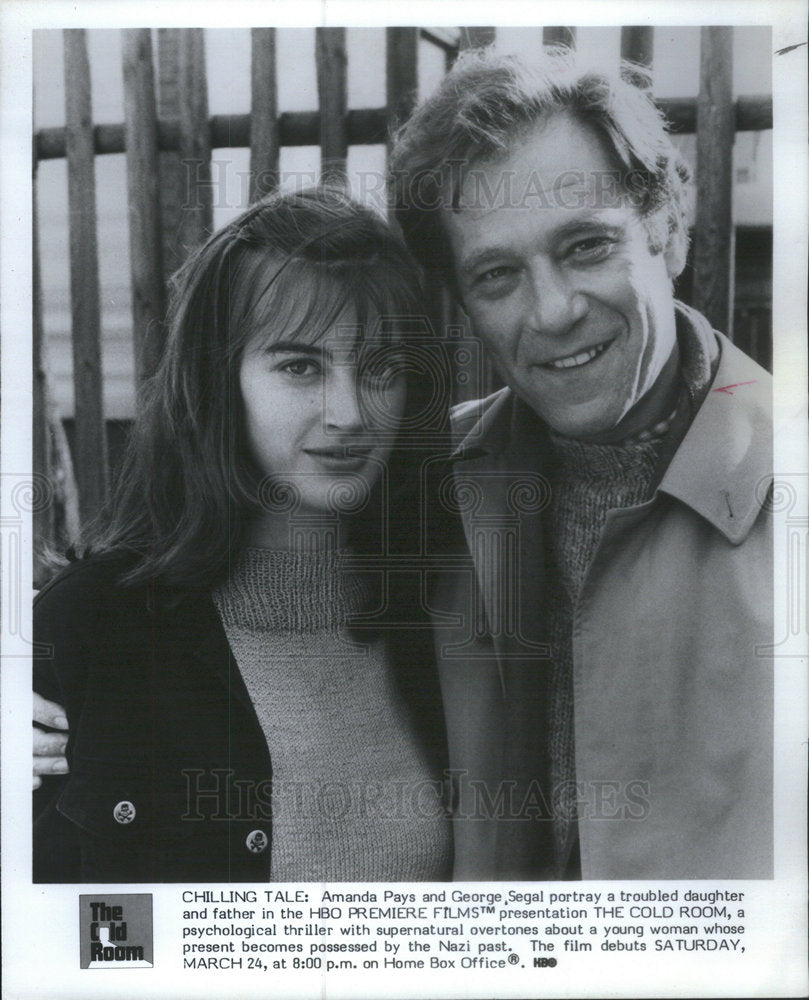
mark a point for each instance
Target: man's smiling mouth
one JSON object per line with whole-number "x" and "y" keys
{"x": 576, "y": 360}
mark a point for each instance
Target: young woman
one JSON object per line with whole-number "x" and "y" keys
{"x": 242, "y": 653}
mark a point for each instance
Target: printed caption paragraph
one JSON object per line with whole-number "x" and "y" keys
{"x": 451, "y": 929}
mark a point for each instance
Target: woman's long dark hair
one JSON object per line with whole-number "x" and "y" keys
{"x": 188, "y": 485}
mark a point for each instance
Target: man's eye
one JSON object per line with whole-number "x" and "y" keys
{"x": 593, "y": 248}
{"x": 299, "y": 367}
{"x": 495, "y": 274}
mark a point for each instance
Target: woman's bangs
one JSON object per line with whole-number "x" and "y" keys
{"x": 303, "y": 301}
{"x": 299, "y": 301}
{"x": 387, "y": 305}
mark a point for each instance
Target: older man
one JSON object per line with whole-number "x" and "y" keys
{"x": 612, "y": 717}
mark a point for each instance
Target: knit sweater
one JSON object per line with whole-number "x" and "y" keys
{"x": 354, "y": 796}
{"x": 587, "y": 481}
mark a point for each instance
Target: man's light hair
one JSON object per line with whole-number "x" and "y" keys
{"x": 487, "y": 101}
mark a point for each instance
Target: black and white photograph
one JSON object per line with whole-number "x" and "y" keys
{"x": 408, "y": 466}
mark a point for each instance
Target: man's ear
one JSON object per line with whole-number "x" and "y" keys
{"x": 675, "y": 251}
{"x": 667, "y": 235}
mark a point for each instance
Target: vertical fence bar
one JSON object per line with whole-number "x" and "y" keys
{"x": 170, "y": 170}
{"x": 637, "y": 44}
{"x": 401, "y": 89}
{"x": 145, "y": 243}
{"x": 713, "y": 231}
{"x": 90, "y": 439}
{"x": 401, "y": 80}
{"x": 637, "y": 49}
{"x": 43, "y": 517}
{"x": 559, "y": 36}
{"x": 475, "y": 37}
{"x": 196, "y": 218}
{"x": 264, "y": 138}
{"x": 439, "y": 301}
{"x": 331, "y": 88}
{"x": 57, "y": 524}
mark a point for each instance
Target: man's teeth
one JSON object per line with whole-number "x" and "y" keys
{"x": 578, "y": 359}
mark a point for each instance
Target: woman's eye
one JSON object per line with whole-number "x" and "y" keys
{"x": 300, "y": 367}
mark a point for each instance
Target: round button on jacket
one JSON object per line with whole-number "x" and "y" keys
{"x": 124, "y": 812}
{"x": 257, "y": 841}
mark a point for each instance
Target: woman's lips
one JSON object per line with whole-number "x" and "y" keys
{"x": 348, "y": 458}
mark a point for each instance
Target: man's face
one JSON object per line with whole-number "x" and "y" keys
{"x": 553, "y": 266}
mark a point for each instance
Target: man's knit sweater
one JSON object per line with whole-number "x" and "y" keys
{"x": 354, "y": 797}
{"x": 587, "y": 481}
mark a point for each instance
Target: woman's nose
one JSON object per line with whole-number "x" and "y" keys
{"x": 342, "y": 408}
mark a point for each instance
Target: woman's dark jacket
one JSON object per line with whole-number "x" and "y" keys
{"x": 170, "y": 775}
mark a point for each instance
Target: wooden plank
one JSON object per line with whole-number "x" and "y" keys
{"x": 43, "y": 515}
{"x": 637, "y": 47}
{"x": 196, "y": 218}
{"x": 365, "y": 126}
{"x": 444, "y": 39}
{"x": 401, "y": 88}
{"x": 56, "y": 523}
{"x": 169, "y": 166}
{"x": 637, "y": 44}
{"x": 265, "y": 142}
{"x": 90, "y": 442}
{"x": 185, "y": 174}
{"x": 559, "y": 36}
{"x": 750, "y": 114}
{"x": 145, "y": 244}
{"x": 195, "y": 141}
{"x": 401, "y": 79}
{"x": 330, "y": 55}
{"x": 476, "y": 37}
{"x": 713, "y": 231}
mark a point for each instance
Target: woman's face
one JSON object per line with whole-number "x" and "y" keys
{"x": 322, "y": 417}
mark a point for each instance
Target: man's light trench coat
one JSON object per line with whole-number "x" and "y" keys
{"x": 673, "y": 683}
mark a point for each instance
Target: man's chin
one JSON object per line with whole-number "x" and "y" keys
{"x": 583, "y": 426}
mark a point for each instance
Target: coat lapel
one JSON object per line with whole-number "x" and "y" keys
{"x": 189, "y": 619}
{"x": 502, "y": 492}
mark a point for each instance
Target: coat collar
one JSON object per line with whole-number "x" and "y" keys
{"x": 722, "y": 469}
{"x": 498, "y": 425}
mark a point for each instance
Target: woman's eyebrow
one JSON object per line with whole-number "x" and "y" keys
{"x": 293, "y": 347}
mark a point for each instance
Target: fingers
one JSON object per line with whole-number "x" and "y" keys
{"x": 48, "y": 713}
{"x": 49, "y": 748}
{"x": 49, "y": 744}
{"x": 46, "y": 766}
{"x": 48, "y": 757}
